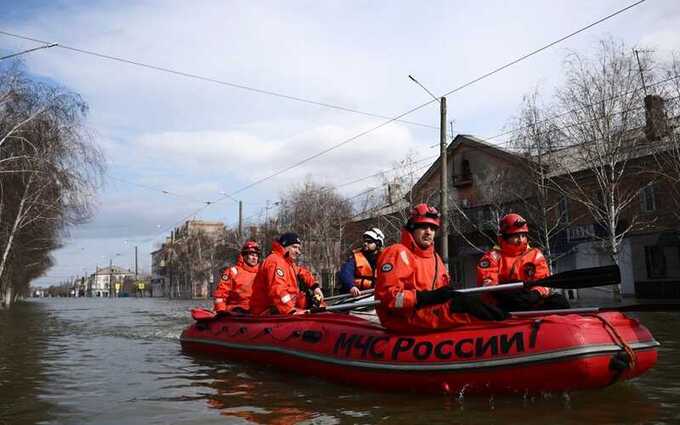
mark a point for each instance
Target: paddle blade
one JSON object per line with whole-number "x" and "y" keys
{"x": 645, "y": 306}
{"x": 583, "y": 278}
{"x": 200, "y": 314}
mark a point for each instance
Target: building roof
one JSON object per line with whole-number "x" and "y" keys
{"x": 471, "y": 141}
{"x": 112, "y": 270}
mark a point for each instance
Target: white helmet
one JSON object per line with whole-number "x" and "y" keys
{"x": 375, "y": 234}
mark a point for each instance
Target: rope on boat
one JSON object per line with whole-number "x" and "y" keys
{"x": 618, "y": 340}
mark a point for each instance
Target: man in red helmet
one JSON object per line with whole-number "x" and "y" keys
{"x": 513, "y": 260}
{"x": 413, "y": 283}
{"x": 275, "y": 290}
{"x": 232, "y": 294}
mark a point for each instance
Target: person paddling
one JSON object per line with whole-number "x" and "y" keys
{"x": 513, "y": 260}
{"x": 413, "y": 284}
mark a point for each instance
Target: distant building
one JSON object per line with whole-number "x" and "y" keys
{"x": 106, "y": 281}
{"x": 183, "y": 266}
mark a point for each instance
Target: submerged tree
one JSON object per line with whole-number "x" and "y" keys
{"x": 49, "y": 172}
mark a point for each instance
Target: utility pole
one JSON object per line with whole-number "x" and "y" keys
{"x": 642, "y": 76}
{"x": 111, "y": 278}
{"x": 443, "y": 171}
{"x": 135, "y": 263}
{"x": 266, "y": 223}
{"x": 240, "y": 219}
{"x": 443, "y": 189}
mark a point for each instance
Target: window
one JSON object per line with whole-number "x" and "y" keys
{"x": 647, "y": 199}
{"x": 656, "y": 261}
{"x": 466, "y": 173}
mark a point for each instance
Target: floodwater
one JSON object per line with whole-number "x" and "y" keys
{"x": 102, "y": 361}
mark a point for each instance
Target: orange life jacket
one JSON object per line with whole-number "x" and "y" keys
{"x": 364, "y": 275}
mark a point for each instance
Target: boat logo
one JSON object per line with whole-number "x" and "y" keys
{"x": 279, "y": 272}
{"x": 387, "y": 267}
{"x": 484, "y": 264}
{"x": 529, "y": 269}
{"x": 409, "y": 348}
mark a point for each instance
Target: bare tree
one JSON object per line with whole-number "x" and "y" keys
{"x": 535, "y": 190}
{"x": 316, "y": 213}
{"x": 603, "y": 98}
{"x": 399, "y": 196}
{"x": 49, "y": 169}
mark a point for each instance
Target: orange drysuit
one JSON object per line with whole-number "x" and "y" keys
{"x": 403, "y": 269}
{"x": 508, "y": 264}
{"x": 275, "y": 289}
{"x": 235, "y": 287}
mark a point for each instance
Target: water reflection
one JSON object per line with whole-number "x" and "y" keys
{"x": 24, "y": 340}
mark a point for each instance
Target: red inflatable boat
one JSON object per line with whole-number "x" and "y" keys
{"x": 531, "y": 354}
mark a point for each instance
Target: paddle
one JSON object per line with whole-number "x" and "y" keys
{"x": 341, "y": 296}
{"x": 650, "y": 306}
{"x": 202, "y": 314}
{"x": 572, "y": 279}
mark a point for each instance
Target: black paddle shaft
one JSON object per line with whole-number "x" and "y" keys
{"x": 583, "y": 278}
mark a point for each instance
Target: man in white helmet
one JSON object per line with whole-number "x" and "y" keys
{"x": 358, "y": 272}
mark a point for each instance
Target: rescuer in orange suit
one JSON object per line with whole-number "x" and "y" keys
{"x": 513, "y": 260}
{"x": 413, "y": 283}
{"x": 275, "y": 290}
{"x": 233, "y": 293}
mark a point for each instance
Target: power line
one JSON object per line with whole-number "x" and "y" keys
{"x": 346, "y": 141}
{"x": 461, "y": 87}
{"x": 163, "y": 191}
{"x": 517, "y": 129}
{"x": 209, "y": 79}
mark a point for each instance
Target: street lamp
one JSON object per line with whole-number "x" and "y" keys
{"x": 23, "y": 52}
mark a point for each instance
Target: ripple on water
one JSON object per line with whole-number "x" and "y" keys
{"x": 110, "y": 362}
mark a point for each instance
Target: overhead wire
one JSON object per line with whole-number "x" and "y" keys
{"x": 553, "y": 117}
{"x": 348, "y": 140}
{"x": 459, "y": 88}
{"x": 383, "y": 124}
{"x": 206, "y": 79}
{"x": 164, "y": 191}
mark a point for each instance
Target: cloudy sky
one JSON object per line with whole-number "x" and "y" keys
{"x": 173, "y": 142}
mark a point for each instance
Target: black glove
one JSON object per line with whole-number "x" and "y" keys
{"x": 438, "y": 296}
{"x": 518, "y": 300}
{"x": 473, "y": 305}
{"x": 554, "y": 302}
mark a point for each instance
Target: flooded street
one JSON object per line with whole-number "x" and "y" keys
{"x": 102, "y": 361}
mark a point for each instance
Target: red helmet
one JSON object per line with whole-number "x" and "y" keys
{"x": 511, "y": 224}
{"x": 422, "y": 213}
{"x": 250, "y": 247}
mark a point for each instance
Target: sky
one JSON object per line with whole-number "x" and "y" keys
{"x": 173, "y": 143}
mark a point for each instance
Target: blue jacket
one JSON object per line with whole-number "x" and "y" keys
{"x": 346, "y": 274}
